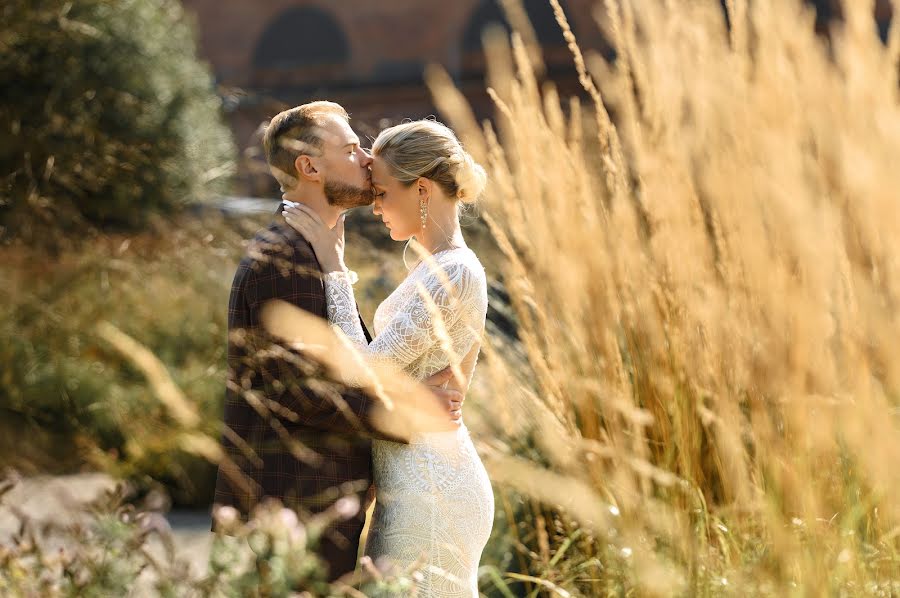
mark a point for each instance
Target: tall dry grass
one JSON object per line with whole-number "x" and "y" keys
{"x": 703, "y": 260}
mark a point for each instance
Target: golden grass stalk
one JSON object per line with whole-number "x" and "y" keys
{"x": 705, "y": 265}
{"x": 404, "y": 406}
{"x": 163, "y": 386}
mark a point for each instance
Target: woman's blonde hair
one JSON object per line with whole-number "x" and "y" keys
{"x": 429, "y": 149}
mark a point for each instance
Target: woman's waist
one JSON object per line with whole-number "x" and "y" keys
{"x": 446, "y": 438}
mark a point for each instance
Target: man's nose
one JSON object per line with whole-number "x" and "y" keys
{"x": 367, "y": 157}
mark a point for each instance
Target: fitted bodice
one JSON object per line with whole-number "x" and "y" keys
{"x": 434, "y": 502}
{"x": 461, "y": 300}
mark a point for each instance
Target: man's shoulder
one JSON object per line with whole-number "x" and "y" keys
{"x": 279, "y": 241}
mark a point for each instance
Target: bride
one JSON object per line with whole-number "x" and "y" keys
{"x": 434, "y": 502}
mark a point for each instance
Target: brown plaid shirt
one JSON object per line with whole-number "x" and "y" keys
{"x": 269, "y": 407}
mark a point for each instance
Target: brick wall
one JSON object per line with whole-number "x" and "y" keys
{"x": 378, "y": 31}
{"x": 388, "y": 43}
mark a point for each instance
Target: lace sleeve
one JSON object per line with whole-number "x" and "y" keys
{"x": 430, "y": 308}
{"x": 341, "y": 307}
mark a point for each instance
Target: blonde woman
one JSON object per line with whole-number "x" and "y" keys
{"x": 434, "y": 499}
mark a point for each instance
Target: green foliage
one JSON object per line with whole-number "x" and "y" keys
{"x": 71, "y": 396}
{"x": 69, "y": 400}
{"x": 115, "y": 549}
{"x": 106, "y": 116}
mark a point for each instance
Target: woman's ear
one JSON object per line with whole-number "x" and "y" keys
{"x": 306, "y": 168}
{"x": 424, "y": 186}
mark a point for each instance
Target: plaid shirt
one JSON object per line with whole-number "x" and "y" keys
{"x": 282, "y": 440}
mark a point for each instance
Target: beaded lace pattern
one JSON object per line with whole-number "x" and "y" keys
{"x": 434, "y": 502}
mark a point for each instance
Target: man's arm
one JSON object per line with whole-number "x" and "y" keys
{"x": 286, "y": 270}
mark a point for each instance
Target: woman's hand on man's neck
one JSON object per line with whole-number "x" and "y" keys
{"x": 327, "y": 212}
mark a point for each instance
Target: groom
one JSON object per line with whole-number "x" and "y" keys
{"x": 288, "y": 433}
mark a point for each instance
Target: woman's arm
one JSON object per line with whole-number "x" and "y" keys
{"x": 417, "y": 326}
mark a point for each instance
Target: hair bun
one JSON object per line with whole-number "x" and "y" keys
{"x": 470, "y": 177}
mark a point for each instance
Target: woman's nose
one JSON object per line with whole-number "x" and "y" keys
{"x": 376, "y": 207}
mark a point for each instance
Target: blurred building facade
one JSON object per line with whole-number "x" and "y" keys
{"x": 369, "y": 55}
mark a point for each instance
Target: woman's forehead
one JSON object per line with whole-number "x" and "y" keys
{"x": 380, "y": 174}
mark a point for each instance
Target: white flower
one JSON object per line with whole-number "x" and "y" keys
{"x": 226, "y": 516}
{"x": 347, "y": 506}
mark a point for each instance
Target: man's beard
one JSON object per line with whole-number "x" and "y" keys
{"x": 343, "y": 195}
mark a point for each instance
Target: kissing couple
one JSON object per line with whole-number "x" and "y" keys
{"x": 290, "y": 436}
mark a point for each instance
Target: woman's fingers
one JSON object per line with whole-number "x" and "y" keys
{"x": 300, "y": 223}
{"x": 300, "y": 208}
{"x": 302, "y": 219}
{"x": 297, "y": 214}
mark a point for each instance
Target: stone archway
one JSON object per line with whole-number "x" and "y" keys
{"x": 489, "y": 12}
{"x": 301, "y": 44}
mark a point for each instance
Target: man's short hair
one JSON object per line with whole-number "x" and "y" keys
{"x": 293, "y": 133}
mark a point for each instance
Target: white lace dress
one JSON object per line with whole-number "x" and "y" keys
{"x": 433, "y": 496}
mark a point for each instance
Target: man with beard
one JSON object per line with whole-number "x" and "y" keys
{"x": 289, "y": 433}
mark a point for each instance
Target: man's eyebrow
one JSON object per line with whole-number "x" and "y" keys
{"x": 352, "y": 143}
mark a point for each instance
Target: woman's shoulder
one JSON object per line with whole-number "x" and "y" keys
{"x": 461, "y": 267}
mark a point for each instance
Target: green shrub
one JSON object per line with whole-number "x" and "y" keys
{"x": 69, "y": 400}
{"x": 59, "y": 379}
{"x": 106, "y": 116}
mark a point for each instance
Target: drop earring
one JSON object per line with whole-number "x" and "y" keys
{"x": 423, "y": 211}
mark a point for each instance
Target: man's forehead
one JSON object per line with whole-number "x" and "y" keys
{"x": 336, "y": 131}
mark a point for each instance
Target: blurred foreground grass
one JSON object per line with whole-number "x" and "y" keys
{"x": 704, "y": 260}
{"x": 71, "y": 400}
{"x": 69, "y": 397}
